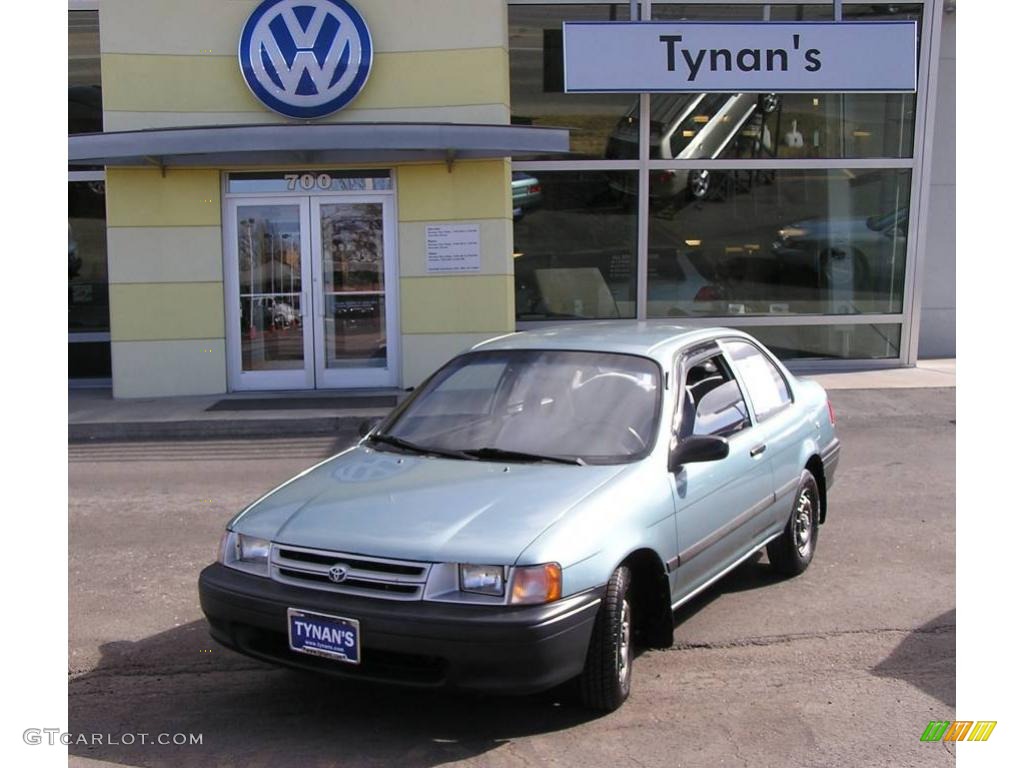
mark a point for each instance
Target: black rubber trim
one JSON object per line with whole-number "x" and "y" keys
{"x": 830, "y": 461}
{"x": 493, "y": 648}
{"x": 715, "y": 536}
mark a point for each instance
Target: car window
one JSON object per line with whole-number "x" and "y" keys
{"x": 712, "y": 401}
{"x": 768, "y": 390}
{"x": 597, "y": 406}
{"x": 468, "y": 391}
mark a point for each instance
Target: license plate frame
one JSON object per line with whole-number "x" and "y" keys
{"x": 324, "y": 635}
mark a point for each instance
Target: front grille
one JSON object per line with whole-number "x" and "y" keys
{"x": 365, "y": 576}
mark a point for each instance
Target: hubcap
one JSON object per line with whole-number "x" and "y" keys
{"x": 625, "y": 644}
{"x": 803, "y": 523}
{"x": 701, "y": 183}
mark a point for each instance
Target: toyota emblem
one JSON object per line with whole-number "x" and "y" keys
{"x": 337, "y": 573}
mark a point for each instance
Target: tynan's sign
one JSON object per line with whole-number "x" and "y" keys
{"x": 305, "y": 58}
{"x": 770, "y": 56}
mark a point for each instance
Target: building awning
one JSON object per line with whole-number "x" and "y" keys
{"x": 313, "y": 144}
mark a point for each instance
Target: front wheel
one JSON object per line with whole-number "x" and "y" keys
{"x": 792, "y": 552}
{"x": 604, "y": 684}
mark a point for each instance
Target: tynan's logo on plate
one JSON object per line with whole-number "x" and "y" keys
{"x": 305, "y": 58}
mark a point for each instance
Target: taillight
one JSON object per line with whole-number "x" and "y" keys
{"x": 708, "y": 293}
{"x": 665, "y": 177}
{"x": 535, "y": 189}
{"x": 831, "y": 413}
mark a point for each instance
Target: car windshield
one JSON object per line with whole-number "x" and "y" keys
{"x": 534, "y": 405}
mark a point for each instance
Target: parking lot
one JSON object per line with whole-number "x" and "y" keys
{"x": 845, "y": 665}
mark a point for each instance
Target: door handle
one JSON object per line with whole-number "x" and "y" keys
{"x": 758, "y": 450}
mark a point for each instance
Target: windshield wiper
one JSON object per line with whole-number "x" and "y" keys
{"x": 501, "y": 453}
{"x": 422, "y": 449}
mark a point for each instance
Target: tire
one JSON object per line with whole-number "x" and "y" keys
{"x": 700, "y": 184}
{"x": 608, "y": 671}
{"x": 792, "y": 552}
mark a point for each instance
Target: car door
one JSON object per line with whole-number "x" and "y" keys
{"x": 771, "y": 402}
{"x": 717, "y": 502}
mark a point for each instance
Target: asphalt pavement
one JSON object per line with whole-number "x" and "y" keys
{"x": 844, "y": 665}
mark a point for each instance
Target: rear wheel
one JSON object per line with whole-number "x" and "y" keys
{"x": 792, "y": 552}
{"x": 608, "y": 670}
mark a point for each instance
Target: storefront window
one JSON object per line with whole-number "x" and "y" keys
{"x": 751, "y": 205}
{"x": 85, "y": 108}
{"x": 601, "y": 123}
{"x": 777, "y": 242}
{"x": 88, "y": 305}
{"x": 786, "y": 126}
{"x": 575, "y": 244}
{"x": 840, "y": 342}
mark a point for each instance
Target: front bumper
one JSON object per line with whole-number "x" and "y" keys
{"x": 501, "y": 649}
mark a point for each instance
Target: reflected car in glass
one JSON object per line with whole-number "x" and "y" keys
{"x": 526, "y": 194}
{"x": 698, "y": 126}
{"x": 533, "y": 513}
{"x": 863, "y": 255}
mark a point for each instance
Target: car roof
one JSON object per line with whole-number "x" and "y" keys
{"x": 657, "y": 339}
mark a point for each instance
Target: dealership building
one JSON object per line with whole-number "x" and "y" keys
{"x": 321, "y": 194}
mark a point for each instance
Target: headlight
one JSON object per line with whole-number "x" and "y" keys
{"x": 536, "y": 584}
{"x": 246, "y": 553}
{"x": 482, "y": 579}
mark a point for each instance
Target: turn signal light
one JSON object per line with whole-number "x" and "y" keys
{"x": 537, "y": 584}
{"x": 831, "y": 413}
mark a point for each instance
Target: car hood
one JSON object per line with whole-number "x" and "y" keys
{"x": 421, "y": 508}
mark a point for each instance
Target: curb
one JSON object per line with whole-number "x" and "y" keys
{"x": 212, "y": 429}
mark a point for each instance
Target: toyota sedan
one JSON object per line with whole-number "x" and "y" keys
{"x": 533, "y": 513}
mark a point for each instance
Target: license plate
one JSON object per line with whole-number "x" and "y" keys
{"x": 318, "y": 634}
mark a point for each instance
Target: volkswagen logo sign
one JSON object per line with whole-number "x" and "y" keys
{"x": 337, "y": 573}
{"x": 305, "y": 58}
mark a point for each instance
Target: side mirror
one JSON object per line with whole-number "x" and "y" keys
{"x": 368, "y": 426}
{"x": 698, "y": 448}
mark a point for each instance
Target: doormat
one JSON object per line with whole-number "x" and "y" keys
{"x": 305, "y": 403}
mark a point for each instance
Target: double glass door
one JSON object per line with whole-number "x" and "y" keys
{"x": 310, "y": 292}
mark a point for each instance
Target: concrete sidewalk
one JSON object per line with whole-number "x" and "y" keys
{"x": 93, "y": 414}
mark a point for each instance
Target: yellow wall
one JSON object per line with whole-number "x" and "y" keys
{"x": 166, "y": 282}
{"x": 174, "y": 63}
{"x": 444, "y": 314}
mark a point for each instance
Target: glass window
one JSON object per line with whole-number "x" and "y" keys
{"x": 777, "y": 242}
{"x": 839, "y": 342}
{"x": 603, "y": 125}
{"x": 270, "y": 287}
{"x": 574, "y": 249}
{"x": 788, "y": 126}
{"x": 85, "y": 106}
{"x": 768, "y": 390}
{"x": 89, "y": 360}
{"x": 88, "y": 305}
{"x": 600, "y": 407}
{"x": 714, "y": 399}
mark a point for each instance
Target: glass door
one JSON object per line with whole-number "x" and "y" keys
{"x": 354, "y": 331}
{"x": 267, "y": 283}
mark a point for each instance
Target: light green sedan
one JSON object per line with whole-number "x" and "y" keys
{"x": 533, "y": 513}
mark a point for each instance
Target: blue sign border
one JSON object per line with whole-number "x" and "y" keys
{"x": 290, "y": 110}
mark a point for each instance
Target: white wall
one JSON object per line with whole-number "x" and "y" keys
{"x": 938, "y": 307}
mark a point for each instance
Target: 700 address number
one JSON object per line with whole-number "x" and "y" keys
{"x": 307, "y": 181}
